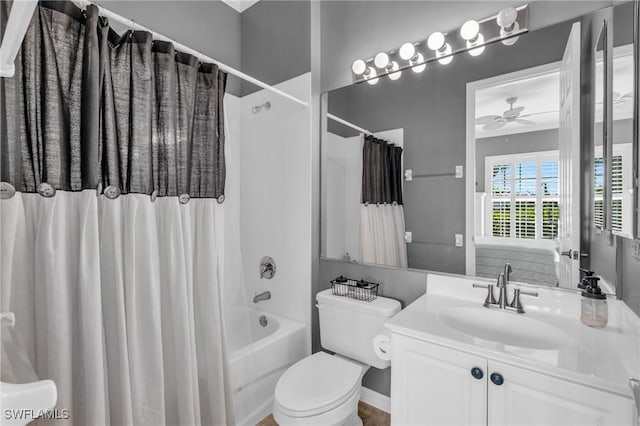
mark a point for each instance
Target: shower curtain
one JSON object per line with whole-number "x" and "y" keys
{"x": 381, "y": 212}
{"x": 112, "y": 248}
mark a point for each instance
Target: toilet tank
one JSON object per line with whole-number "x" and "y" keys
{"x": 348, "y": 326}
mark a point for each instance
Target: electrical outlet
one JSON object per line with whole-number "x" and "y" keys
{"x": 459, "y": 240}
{"x": 408, "y": 237}
{"x": 635, "y": 250}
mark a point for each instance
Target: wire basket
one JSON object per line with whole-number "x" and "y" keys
{"x": 355, "y": 289}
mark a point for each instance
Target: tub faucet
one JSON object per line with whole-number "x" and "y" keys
{"x": 259, "y": 297}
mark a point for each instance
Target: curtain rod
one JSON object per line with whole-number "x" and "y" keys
{"x": 82, "y": 4}
{"x": 348, "y": 124}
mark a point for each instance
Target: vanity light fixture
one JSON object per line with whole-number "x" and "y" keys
{"x": 473, "y": 37}
{"x": 470, "y": 32}
{"x": 372, "y": 76}
{"x": 408, "y": 53}
{"x": 438, "y": 43}
{"x": 390, "y": 67}
{"x": 507, "y": 21}
{"x": 359, "y": 68}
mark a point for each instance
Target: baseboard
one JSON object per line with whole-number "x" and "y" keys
{"x": 375, "y": 399}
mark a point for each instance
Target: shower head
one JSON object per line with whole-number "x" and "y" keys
{"x": 266, "y": 106}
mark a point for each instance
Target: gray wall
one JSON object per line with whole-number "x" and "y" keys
{"x": 210, "y": 27}
{"x": 269, "y": 41}
{"x": 543, "y": 140}
{"x": 359, "y": 29}
{"x": 276, "y": 41}
{"x": 401, "y": 284}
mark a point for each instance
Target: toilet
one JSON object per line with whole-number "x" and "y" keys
{"x": 324, "y": 389}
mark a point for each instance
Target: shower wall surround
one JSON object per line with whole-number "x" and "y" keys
{"x": 275, "y": 199}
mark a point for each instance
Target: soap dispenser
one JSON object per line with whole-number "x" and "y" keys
{"x": 594, "y": 304}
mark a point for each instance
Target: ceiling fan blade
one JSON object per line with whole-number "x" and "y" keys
{"x": 525, "y": 122}
{"x": 513, "y": 112}
{"x": 536, "y": 113}
{"x": 487, "y": 119}
{"x": 494, "y": 125}
{"x": 626, "y": 97}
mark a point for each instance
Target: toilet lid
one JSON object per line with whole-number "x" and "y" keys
{"x": 317, "y": 384}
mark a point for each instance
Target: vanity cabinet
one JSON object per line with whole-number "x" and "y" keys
{"x": 434, "y": 385}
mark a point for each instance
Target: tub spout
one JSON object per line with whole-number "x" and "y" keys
{"x": 259, "y": 297}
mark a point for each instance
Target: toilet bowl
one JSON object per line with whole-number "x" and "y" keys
{"x": 321, "y": 389}
{"x": 324, "y": 389}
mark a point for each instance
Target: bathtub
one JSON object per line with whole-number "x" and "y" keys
{"x": 258, "y": 357}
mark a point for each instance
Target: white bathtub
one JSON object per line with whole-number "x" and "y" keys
{"x": 258, "y": 357}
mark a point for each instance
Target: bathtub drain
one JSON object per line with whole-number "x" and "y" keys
{"x": 263, "y": 321}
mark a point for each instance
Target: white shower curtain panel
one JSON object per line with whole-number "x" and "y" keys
{"x": 382, "y": 234}
{"x": 117, "y": 301}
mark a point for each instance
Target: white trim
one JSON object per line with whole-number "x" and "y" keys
{"x": 470, "y": 181}
{"x": 375, "y": 399}
{"x": 16, "y": 27}
{"x": 240, "y": 5}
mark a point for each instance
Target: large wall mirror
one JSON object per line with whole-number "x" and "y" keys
{"x": 465, "y": 166}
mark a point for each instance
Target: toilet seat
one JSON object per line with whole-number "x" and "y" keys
{"x": 317, "y": 384}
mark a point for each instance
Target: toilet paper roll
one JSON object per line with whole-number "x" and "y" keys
{"x": 382, "y": 346}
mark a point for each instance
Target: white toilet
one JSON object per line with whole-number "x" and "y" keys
{"x": 324, "y": 389}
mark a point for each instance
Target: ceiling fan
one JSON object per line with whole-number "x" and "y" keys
{"x": 512, "y": 115}
{"x": 622, "y": 99}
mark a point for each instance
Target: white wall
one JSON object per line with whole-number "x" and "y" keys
{"x": 275, "y": 199}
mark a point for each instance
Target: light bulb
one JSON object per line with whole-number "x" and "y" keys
{"x": 444, "y": 51}
{"x": 507, "y": 16}
{"x": 371, "y": 76}
{"x": 504, "y": 33}
{"x": 435, "y": 41}
{"x": 407, "y": 51}
{"x": 470, "y": 30}
{"x": 475, "y": 51}
{"x": 358, "y": 67}
{"x": 381, "y": 60}
{"x": 418, "y": 68}
{"x": 394, "y": 74}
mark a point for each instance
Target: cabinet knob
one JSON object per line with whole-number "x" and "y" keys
{"x": 477, "y": 373}
{"x": 497, "y": 379}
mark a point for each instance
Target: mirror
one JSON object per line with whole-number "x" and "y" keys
{"x": 601, "y": 165}
{"x": 622, "y": 101}
{"x": 467, "y": 160}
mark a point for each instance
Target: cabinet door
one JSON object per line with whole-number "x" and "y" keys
{"x": 432, "y": 385}
{"x": 528, "y": 398}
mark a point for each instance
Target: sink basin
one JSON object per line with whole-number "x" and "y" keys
{"x": 504, "y": 327}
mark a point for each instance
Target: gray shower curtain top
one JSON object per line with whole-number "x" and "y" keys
{"x": 381, "y": 172}
{"x": 91, "y": 109}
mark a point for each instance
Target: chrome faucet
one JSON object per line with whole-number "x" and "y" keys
{"x": 503, "y": 297}
{"x": 259, "y": 297}
{"x": 502, "y": 288}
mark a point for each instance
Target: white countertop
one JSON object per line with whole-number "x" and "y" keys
{"x": 603, "y": 358}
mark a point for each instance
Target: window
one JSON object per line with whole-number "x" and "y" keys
{"x": 621, "y": 182}
{"x": 523, "y": 195}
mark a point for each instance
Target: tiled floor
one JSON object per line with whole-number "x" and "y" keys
{"x": 370, "y": 416}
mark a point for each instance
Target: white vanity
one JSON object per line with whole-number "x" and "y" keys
{"x": 455, "y": 362}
